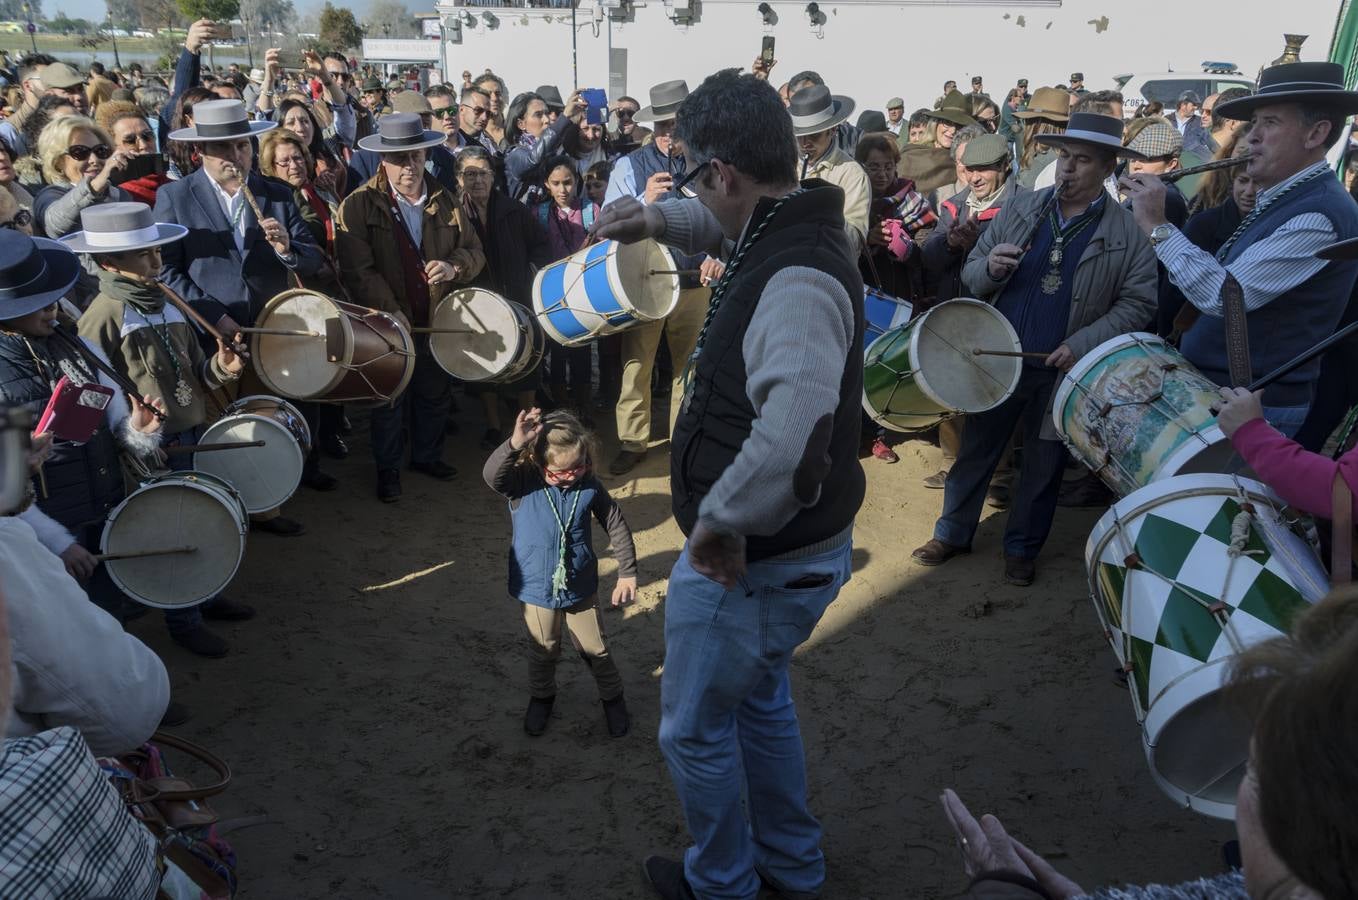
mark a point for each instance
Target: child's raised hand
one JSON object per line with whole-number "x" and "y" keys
{"x": 625, "y": 591}
{"x": 527, "y": 427}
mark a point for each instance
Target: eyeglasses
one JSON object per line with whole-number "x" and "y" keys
{"x": 287, "y": 162}
{"x": 689, "y": 176}
{"x": 130, "y": 140}
{"x": 880, "y": 168}
{"x": 476, "y": 174}
{"x": 477, "y": 111}
{"x": 564, "y": 474}
{"x": 22, "y": 219}
{"x": 80, "y": 153}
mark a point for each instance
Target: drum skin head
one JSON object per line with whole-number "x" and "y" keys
{"x": 652, "y": 296}
{"x": 297, "y": 366}
{"x": 495, "y": 340}
{"x": 182, "y": 509}
{"x": 264, "y": 476}
{"x": 959, "y": 379}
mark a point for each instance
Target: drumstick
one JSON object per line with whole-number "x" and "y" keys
{"x": 118, "y": 378}
{"x": 207, "y": 448}
{"x": 138, "y": 554}
{"x": 183, "y": 306}
{"x": 281, "y": 332}
{"x": 1021, "y": 354}
{"x": 691, "y": 273}
{"x": 430, "y": 330}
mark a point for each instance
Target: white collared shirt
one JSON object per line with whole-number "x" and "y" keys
{"x": 234, "y": 210}
{"x": 412, "y": 213}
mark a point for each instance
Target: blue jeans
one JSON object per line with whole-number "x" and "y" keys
{"x": 985, "y": 440}
{"x": 1287, "y": 419}
{"x": 424, "y": 407}
{"x": 728, "y": 728}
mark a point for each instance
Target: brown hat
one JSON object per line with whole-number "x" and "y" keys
{"x": 411, "y": 102}
{"x": 1051, "y": 104}
{"x": 953, "y": 109}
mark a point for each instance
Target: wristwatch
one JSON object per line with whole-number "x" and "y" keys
{"x": 1161, "y": 233}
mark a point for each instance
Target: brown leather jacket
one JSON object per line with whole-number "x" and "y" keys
{"x": 370, "y": 260}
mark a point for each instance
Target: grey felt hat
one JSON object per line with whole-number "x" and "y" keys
{"x": 814, "y": 109}
{"x": 34, "y": 273}
{"x": 120, "y": 228}
{"x": 665, "y": 100}
{"x": 552, "y": 97}
{"x": 399, "y": 132}
{"x": 221, "y": 120}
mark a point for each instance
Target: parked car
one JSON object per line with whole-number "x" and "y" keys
{"x": 1141, "y": 88}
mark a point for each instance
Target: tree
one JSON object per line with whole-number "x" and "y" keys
{"x": 63, "y": 24}
{"x": 157, "y": 13}
{"x": 391, "y": 18}
{"x": 216, "y": 10}
{"x": 13, "y": 10}
{"x": 339, "y": 30}
{"x": 124, "y": 14}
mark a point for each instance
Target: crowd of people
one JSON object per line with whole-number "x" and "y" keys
{"x": 147, "y": 223}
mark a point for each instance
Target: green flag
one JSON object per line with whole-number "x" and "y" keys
{"x": 1344, "y": 44}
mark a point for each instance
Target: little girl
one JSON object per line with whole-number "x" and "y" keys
{"x": 546, "y": 470}
{"x": 566, "y": 218}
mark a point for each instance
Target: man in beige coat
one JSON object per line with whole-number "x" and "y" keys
{"x": 816, "y": 113}
{"x": 1069, "y": 273}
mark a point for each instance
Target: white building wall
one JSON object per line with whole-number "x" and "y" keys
{"x": 874, "y": 50}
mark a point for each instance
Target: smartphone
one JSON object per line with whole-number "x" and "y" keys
{"x": 139, "y": 167}
{"x": 290, "y": 61}
{"x": 766, "y": 51}
{"x": 596, "y": 99}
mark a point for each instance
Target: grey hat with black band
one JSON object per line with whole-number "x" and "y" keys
{"x": 221, "y": 120}
{"x": 1319, "y": 84}
{"x": 1095, "y": 130}
{"x": 399, "y": 133}
{"x": 814, "y": 109}
{"x": 121, "y": 228}
{"x": 552, "y": 97}
{"x": 665, "y": 100}
{"x": 34, "y": 273}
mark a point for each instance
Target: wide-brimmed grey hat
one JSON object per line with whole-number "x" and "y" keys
{"x": 1093, "y": 129}
{"x": 665, "y": 100}
{"x": 121, "y": 228}
{"x": 1319, "y": 84}
{"x": 221, "y": 120}
{"x": 552, "y": 97}
{"x": 399, "y": 132}
{"x": 34, "y": 273}
{"x": 814, "y": 109}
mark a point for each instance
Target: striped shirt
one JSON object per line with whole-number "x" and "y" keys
{"x": 1267, "y": 269}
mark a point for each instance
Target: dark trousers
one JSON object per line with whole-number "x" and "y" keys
{"x": 423, "y": 407}
{"x": 985, "y": 439}
{"x": 577, "y": 361}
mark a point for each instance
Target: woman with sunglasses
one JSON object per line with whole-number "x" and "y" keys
{"x": 130, "y": 130}
{"x": 78, "y": 159}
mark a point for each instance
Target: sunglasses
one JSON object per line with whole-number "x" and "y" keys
{"x": 22, "y": 219}
{"x": 130, "y": 140}
{"x": 80, "y": 153}
{"x": 477, "y": 111}
{"x": 624, "y": 113}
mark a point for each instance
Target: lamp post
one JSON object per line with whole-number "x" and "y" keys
{"x": 112, "y": 33}
{"x": 32, "y": 29}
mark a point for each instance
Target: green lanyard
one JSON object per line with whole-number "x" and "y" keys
{"x": 559, "y": 574}
{"x": 1051, "y": 282}
{"x": 183, "y": 391}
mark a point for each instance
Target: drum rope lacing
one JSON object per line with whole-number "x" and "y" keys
{"x": 563, "y": 303}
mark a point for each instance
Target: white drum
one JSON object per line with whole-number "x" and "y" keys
{"x": 492, "y": 338}
{"x": 267, "y": 476}
{"x": 603, "y": 289}
{"x": 186, "y": 511}
{"x": 1184, "y": 574}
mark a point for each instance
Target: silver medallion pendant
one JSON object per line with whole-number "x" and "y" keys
{"x": 1051, "y": 282}
{"x": 183, "y": 394}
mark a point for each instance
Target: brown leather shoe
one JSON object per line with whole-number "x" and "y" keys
{"x": 936, "y": 553}
{"x": 1019, "y": 571}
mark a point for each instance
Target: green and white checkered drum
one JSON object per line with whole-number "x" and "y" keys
{"x": 1134, "y": 410}
{"x": 1184, "y": 574}
{"x": 919, "y": 374}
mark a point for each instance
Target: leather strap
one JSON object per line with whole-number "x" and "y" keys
{"x": 203, "y": 755}
{"x": 1341, "y": 538}
{"x": 1237, "y": 336}
{"x": 1184, "y": 319}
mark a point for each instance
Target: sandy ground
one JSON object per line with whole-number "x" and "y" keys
{"x": 373, "y": 710}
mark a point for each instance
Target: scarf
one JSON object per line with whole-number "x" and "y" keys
{"x": 322, "y": 211}
{"x": 412, "y": 261}
{"x": 144, "y": 298}
{"x": 979, "y": 206}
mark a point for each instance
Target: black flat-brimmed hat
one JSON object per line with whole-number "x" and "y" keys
{"x": 1310, "y": 83}
{"x": 665, "y": 100}
{"x": 1093, "y": 129}
{"x": 120, "y": 228}
{"x": 399, "y": 132}
{"x": 814, "y": 109}
{"x": 552, "y": 97}
{"x": 221, "y": 120}
{"x": 34, "y": 273}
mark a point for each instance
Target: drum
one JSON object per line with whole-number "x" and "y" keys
{"x": 1184, "y": 574}
{"x": 265, "y": 477}
{"x": 501, "y": 341}
{"x": 882, "y": 312}
{"x": 181, "y": 509}
{"x": 1134, "y": 410}
{"x": 918, "y": 375}
{"x": 359, "y": 355}
{"x": 604, "y": 289}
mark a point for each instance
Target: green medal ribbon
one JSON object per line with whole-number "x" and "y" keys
{"x": 559, "y": 574}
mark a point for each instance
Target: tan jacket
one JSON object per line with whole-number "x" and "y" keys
{"x": 841, "y": 170}
{"x": 97, "y": 90}
{"x": 370, "y": 260}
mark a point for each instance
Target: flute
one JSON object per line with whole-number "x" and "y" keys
{"x": 1228, "y": 162}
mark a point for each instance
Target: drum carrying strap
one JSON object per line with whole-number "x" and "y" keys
{"x": 1237, "y": 335}
{"x": 1341, "y": 539}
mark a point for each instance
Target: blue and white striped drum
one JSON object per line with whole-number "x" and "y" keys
{"x": 883, "y": 312}
{"x": 604, "y": 289}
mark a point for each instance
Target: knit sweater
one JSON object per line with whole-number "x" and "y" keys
{"x": 794, "y": 353}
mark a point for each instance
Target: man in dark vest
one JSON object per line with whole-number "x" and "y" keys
{"x": 766, "y": 484}
{"x": 1291, "y": 299}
